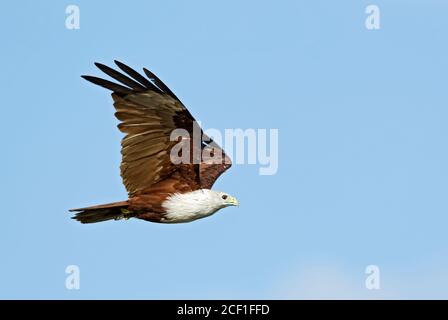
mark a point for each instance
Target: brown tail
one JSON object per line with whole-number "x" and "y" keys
{"x": 104, "y": 212}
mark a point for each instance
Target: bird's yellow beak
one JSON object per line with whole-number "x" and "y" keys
{"x": 232, "y": 201}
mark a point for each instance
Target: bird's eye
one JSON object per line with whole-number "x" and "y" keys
{"x": 224, "y": 196}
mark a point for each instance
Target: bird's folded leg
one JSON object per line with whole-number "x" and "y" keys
{"x": 127, "y": 214}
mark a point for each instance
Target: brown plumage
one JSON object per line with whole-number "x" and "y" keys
{"x": 148, "y": 112}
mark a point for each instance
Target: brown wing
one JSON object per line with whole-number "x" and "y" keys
{"x": 148, "y": 120}
{"x": 148, "y": 112}
{"x": 214, "y": 163}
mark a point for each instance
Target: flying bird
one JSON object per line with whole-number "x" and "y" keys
{"x": 159, "y": 189}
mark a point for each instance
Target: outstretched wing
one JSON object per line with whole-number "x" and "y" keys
{"x": 148, "y": 112}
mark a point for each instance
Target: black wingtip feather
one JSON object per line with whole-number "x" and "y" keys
{"x": 159, "y": 83}
{"x": 136, "y": 82}
{"x": 137, "y": 76}
{"x": 116, "y": 88}
{"x": 120, "y": 77}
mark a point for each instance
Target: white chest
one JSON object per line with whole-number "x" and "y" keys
{"x": 190, "y": 206}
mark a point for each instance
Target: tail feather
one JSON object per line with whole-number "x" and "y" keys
{"x": 104, "y": 212}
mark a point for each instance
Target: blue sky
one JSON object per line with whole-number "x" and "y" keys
{"x": 362, "y": 175}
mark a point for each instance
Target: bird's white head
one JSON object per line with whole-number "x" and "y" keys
{"x": 223, "y": 199}
{"x": 184, "y": 207}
